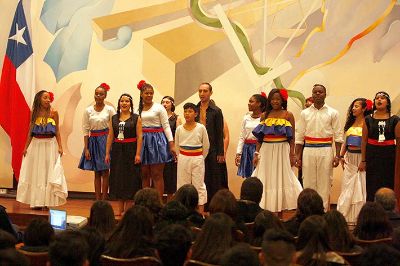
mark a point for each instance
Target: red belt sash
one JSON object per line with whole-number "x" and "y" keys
{"x": 250, "y": 141}
{"x": 375, "y": 142}
{"x": 125, "y": 140}
{"x": 97, "y": 134}
{"x": 152, "y": 130}
{"x": 275, "y": 138}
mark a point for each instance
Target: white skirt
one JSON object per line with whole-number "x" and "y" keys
{"x": 353, "y": 194}
{"x": 281, "y": 186}
{"x": 42, "y": 181}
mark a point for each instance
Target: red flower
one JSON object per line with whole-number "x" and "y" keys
{"x": 140, "y": 84}
{"x": 369, "y": 105}
{"x": 263, "y": 94}
{"x": 105, "y": 86}
{"x": 51, "y": 95}
{"x": 284, "y": 94}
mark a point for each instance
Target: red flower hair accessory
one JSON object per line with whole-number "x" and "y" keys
{"x": 263, "y": 95}
{"x": 51, "y": 96}
{"x": 105, "y": 86}
{"x": 369, "y": 105}
{"x": 284, "y": 94}
{"x": 141, "y": 84}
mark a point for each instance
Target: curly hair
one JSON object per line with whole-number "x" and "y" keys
{"x": 350, "y": 117}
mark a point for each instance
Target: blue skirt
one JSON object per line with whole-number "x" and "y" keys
{"x": 97, "y": 149}
{"x": 155, "y": 147}
{"x": 246, "y": 167}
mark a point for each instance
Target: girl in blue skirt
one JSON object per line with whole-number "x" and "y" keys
{"x": 95, "y": 129}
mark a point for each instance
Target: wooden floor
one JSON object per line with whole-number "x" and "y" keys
{"x": 21, "y": 214}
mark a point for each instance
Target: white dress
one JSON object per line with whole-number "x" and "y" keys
{"x": 281, "y": 186}
{"x": 42, "y": 181}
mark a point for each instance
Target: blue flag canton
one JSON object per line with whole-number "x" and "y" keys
{"x": 19, "y": 46}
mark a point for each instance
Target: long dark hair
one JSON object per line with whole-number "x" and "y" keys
{"x": 389, "y": 103}
{"x": 350, "y": 117}
{"x": 133, "y": 234}
{"x": 36, "y": 108}
{"x": 268, "y": 108}
{"x": 339, "y": 235}
{"x": 144, "y": 87}
{"x": 262, "y": 100}
{"x": 130, "y": 100}
{"x": 102, "y": 217}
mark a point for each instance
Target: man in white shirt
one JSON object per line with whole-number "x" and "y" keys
{"x": 318, "y": 127}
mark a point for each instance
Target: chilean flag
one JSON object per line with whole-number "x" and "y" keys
{"x": 17, "y": 87}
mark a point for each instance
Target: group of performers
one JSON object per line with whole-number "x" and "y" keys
{"x": 152, "y": 146}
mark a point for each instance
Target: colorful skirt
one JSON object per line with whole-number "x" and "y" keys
{"x": 246, "y": 167}
{"x": 281, "y": 186}
{"x": 97, "y": 149}
{"x": 353, "y": 194}
{"x": 155, "y": 146}
{"x": 42, "y": 181}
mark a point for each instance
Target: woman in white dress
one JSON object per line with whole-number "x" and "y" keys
{"x": 95, "y": 129}
{"x": 353, "y": 194}
{"x": 275, "y": 154}
{"x": 42, "y": 182}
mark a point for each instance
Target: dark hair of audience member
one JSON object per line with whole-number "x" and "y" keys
{"x": 264, "y": 220}
{"x": 96, "y": 244}
{"x": 278, "y": 247}
{"x": 251, "y": 189}
{"x": 214, "y": 239}
{"x": 379, "y": 255}
{"x": 188, "y": 196}
{"x": 173, "y": 212}
{"x": 69, "y": 248}
{"x": 372, "y": 222}
{"x": 224, "y": 201}
{"x": 149, "y": 198}
{"x": 102, "y": 218}
{"x": 38, "y": 233}
{"x": 313, "y": 242}
{"x": 396, "y": 238}
{"x": 240, "y": 255}
{"x": 339, "y": 235}
{"x": 309, "y": 203}
{"x": 173, "y": 244}
{"x": 133, "y": 236}
{"x": 7, "y": 240}
{"x": 12, "y": 257}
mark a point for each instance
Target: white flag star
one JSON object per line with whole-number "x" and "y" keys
{"x": 18, "y": 37}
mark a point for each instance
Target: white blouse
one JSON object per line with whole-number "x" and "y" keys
{"x": 93, "y": 120}
{"x": 248, "y": 124}
{"x": 157, "y": 116}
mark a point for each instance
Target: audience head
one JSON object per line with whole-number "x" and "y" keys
{"x": 380, "y": 254}
{"x": 309, "y": 203}
{"x": 265, "y": 220}
{"x": 7, "y": 240}
{"x": 149, "y": 198}
{"x": 278, "y": 248}
{"x": 96, "y": 244}
{"x": 134, "y": 231}
{"x": 224, "y": 201}
{"x": 372, "y": 222}
{"x": 313, "y": 239}
{"x": 214, "y": 239}
{"x": 174, "y": 245}
{"x": 102, "y": 217}
{"x": 38, "y": 233}
{"x": 240, "y": 255}
{"x": 339, "y": 235}
{"x": 172, "y": 213}
{"x": 12, "y": 257}
{"x": 386, "y": 198}
{"x": 252, "y": 189}
{"x": 188, "y": 196}
{"x": 69, "y": 248}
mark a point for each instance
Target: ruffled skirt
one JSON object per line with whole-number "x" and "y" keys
{"x": 42, "y": 181}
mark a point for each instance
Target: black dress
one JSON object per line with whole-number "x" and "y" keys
{"x": 380, "y": 160}
{"x": 124, "y": 173}
{"x": 170, "y": 168}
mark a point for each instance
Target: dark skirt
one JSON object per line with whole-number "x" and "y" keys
{"x": 125, "y": 178}
{"x": 380, "y": 163}
{"x": 170, "y": 177}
